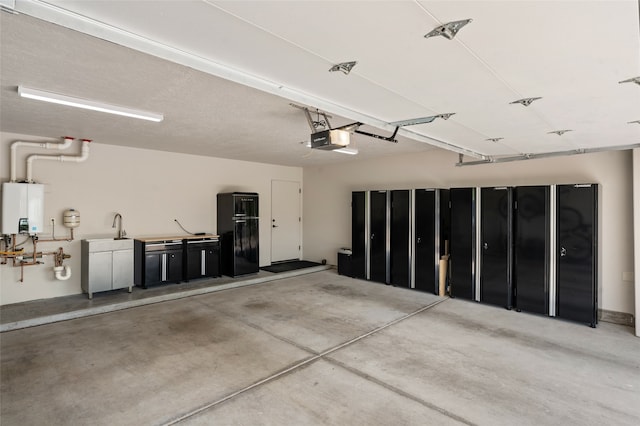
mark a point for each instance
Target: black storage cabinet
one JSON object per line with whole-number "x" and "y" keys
{"x": 576, "y": 253}
{"x": 531, "y": 249}
{"x": 359, "y": 243}
{"x": 202, "y": 258}
{"x": 463, "y": 253}
{"x": 400, "y": 234}
{"x": 378, "y": 267}
{"x": 157, "y": 262}
{"x": 431, "y": 224}
{"x": 496, "y": 209}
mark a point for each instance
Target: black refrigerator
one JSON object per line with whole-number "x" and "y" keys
{"x": 238, "y": 230}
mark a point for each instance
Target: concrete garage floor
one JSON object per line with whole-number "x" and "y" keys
{"x": 319, "y": 349}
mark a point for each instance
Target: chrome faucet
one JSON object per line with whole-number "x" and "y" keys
{"x": 121, "y": 232}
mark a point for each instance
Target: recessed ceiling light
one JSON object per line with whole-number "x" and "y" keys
{"x": 345, "y": 67}
{"x": 71, "y": 101}
{"x": 448, "y": 30}
{"x": 560, "y": 132}
{"x": 494, "y": 139}
{"x": 525, "y": 101}
{"x": 635, "y": 80}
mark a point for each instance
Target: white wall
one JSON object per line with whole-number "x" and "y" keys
{"x": 149, "y": 188}
{"x": 327, "y": 199}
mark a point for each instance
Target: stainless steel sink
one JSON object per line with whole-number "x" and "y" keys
{"x": 109, "y": 244}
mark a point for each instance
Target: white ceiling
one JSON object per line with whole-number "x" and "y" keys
{"x": 224, "y": 72}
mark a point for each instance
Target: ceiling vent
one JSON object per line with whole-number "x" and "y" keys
{"x": 494, "y": 139}
{"x": 525, "y": 101}
{"x": 448, "y": 30}
{"x": 560, "y": 132}
{"x": 635, "y": 80}
{"x": 345, "y": 67}
{"x": 634, "y": 122}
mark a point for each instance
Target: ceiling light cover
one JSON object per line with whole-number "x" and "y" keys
{"x": 635, "y": 80}
{"x": 71, "y": 101}
{"x": 448, "y": 30}
{"x": 350, "y": 151}
{"x": 345, "y": 67}
{"x": 525, "y": 101}
{"x": 560, "y": 132}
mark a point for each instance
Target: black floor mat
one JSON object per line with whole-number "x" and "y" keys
{"x": 289, "y": 266}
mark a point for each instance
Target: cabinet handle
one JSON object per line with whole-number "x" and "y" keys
{"x": 164, "y": 266}
{"x": 203, "y": 262}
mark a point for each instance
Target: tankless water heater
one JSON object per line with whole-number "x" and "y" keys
{"x": 22, "y": 208}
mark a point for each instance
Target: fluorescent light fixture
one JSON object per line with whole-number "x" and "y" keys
{"x": 56, "y": 98}
{"x": 350, "y": 151}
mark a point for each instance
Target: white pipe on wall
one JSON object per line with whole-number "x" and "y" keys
{"x": 74, "y": 158}
{"x": 63, "y": 273}
{"x": 66, "y": 143}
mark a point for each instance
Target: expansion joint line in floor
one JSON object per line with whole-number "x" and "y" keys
{"x": 301, "y": 364}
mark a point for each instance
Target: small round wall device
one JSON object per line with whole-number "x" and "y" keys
{"x": 71, "y": 218}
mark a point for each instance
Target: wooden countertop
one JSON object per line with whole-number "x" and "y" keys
{"x": 154, "y": 238}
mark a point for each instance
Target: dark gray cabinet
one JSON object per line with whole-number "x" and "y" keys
{"x": 463, "y": 240}
{"x": 496, "y": 209}
{"x": 431, "y": 232}
{"x": 378, "y": 267}
{"x": 157, "y": 262}
{"x": 532, "y": 233}
{"x": 359, "y": 234}
{"x": 400, "y": 238}
{"x": 576, "y": 253}
{"x": 202, "y": 258}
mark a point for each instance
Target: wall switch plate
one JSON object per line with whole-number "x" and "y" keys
{"x": 627, "y": 276}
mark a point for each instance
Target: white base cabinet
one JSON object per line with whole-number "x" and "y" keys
{"x": 107, "y": 264}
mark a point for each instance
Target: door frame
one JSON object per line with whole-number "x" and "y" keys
{"x": 300, "y": 253}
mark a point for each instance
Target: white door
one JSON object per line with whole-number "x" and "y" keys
{"x": 285, "y": 220}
